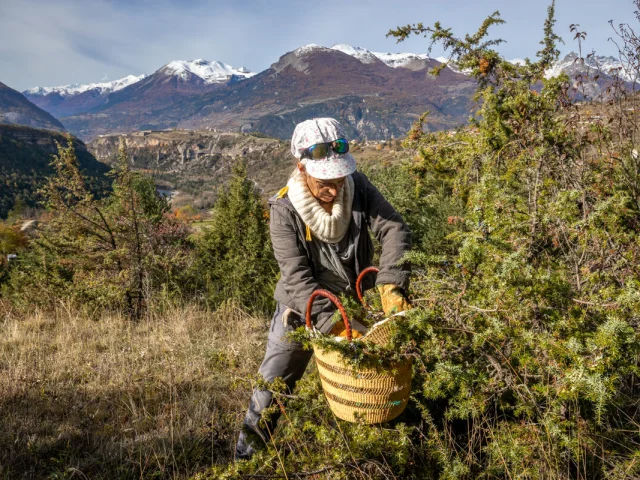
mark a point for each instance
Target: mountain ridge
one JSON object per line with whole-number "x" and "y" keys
{"x": 391, "y": 59}
{"x": 25, "y": 164}
{"x": 76, "y": 98}
{"x": 376, "y": 93}
{"x": 212, "y": 69}
{"x": 374, "y": 99}
{"x": 16, "y": 109}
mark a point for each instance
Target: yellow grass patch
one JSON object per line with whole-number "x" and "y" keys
{"x": 108, "y": 398}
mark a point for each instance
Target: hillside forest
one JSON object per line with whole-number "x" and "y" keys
{"x": 130, "y": 337}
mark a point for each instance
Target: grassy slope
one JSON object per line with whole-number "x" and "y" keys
{"x": 111, "y": 399}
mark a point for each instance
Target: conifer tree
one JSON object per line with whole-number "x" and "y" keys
{"x": 113, "y": 253}
{"x": 528, "y": 331}
{"x": 235, "y": 257}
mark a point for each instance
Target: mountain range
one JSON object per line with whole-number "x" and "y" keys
{"x": 572, "y": 64}
{"x": 377, "y": 95}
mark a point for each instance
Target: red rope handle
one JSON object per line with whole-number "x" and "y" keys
{"x": 336, "y": 302}
{"x": 359, "y": 280}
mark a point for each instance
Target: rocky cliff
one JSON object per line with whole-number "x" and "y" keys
{"x": 197, "y": 163}
{"x": 200, "y": 161}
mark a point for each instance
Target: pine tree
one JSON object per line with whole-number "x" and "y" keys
{"x": 112, "y": 253}
{"x": 235, "y": 257}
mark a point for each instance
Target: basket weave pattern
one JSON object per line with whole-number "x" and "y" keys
{"x": 379, "y": 335}
{"x": 365, "y": 395}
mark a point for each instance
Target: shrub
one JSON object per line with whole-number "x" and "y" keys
{"x": 114, "y": 254}
{"x": 527, "y": 332}
{"x": 235, "y": 260}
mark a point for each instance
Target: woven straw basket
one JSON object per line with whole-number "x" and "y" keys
{"x": 365, "y": 395}
{"x": 381, "y": 332}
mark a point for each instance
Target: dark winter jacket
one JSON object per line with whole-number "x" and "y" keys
{"x": 370, "y": 210}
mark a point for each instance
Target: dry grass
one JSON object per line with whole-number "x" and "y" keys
{"x": 105, "y": 398}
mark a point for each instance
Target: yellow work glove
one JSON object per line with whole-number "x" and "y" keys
{"x": 393, "y": 301}
{"x": 339, "y": 330}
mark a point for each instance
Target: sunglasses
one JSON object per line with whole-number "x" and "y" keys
{"x": 321, "y": 150}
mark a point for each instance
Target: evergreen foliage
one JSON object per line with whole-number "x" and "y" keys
{"x": 113, "y": 253}
{"x": 26, "y": 164}
{"x": 235, "y": 260}
{"x": 525, "y": 331}
{"x": 12, "y": 241}
{"x": 426, "y": 203}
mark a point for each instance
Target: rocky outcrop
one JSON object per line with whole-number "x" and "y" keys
{"x": 197, "y": 163}
{"x": 34, "y": 137}
{"x": 188, "y": 151}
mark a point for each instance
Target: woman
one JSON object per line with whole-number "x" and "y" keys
{"x": 320, "y": 226}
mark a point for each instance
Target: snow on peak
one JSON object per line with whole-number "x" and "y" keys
{"x": 393, "y": 60}
{"x": 308, "y": 49}
{"x": 605, "y": 64}
{"x": 77, "y": 88}
{"x": 397, "y": 60}
{"x": 362, "y": 54}
{"x": 210, "y": 72}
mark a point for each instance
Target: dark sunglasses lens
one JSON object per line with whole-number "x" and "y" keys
{"x": 318, "y": 151}
{"x": 341, "y": 146}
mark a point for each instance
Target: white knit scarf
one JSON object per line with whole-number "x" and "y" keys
{"x": 328, "y": 227}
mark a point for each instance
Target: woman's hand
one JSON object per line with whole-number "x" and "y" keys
{"x": 393, "y": 301}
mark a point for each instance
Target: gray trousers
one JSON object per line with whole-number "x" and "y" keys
{"x": 282, "y": 359}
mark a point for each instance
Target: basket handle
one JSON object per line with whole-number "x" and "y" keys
{"x": 359, "y": 281}
{"x": 336, "y": 302}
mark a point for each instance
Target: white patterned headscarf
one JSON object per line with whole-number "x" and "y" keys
{"x": 322, "y": 130}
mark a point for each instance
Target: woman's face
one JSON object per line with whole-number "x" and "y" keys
{"x": 324, "y": 190}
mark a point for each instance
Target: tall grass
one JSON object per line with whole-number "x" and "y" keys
{"x": 108, "y": 398}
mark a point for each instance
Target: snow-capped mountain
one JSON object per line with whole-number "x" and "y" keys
{"x": 76, "y": 88}
{"x": 192, "y": 76}
{"x": 610, "y": 66}
{"x": 210, "y": 72}
{"x": 394, "y": 60}
{"x": 375, "y": 99}
{"x": 15, "y": 109}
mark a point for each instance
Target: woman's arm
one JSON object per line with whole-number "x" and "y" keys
{"x": 297, "y": 277}
{"x": 392, "y": 233}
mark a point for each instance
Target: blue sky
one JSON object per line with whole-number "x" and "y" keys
{"x": 56, "y": 42}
